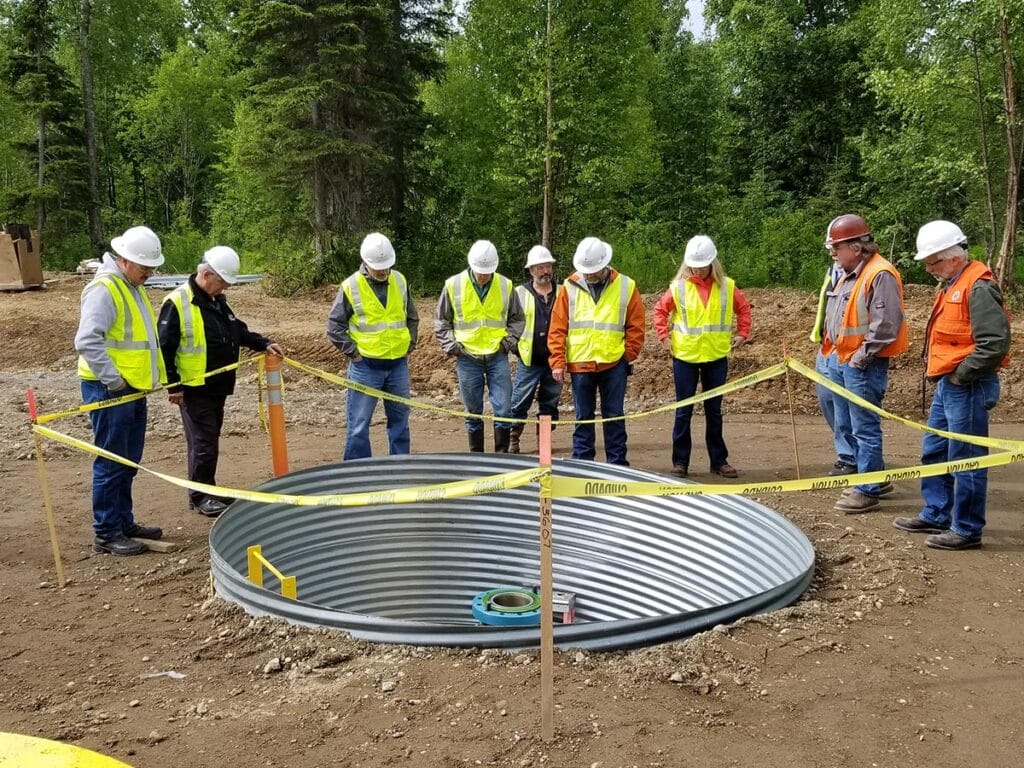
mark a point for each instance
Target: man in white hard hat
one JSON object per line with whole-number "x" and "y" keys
{"x": 374, "y": 323}
{"x": 478, "y": 322}
{"x": 119, "y": 355}
{"x": 533, "y": 374}
{"x": 864, "y": 328}
{"x": 967, "y": 342}
{"x": 597, "y": 331}
{"x": 199, "y": 333}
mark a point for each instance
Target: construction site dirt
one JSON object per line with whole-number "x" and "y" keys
{"x": 897, "y": 655}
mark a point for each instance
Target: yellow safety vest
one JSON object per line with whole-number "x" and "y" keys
{"x": 190, "y": 358}
{"x": 597, "y": 331}
{"x": 380, "y": 332}
{"x": 134, "y": 352}
{"x": 819, "y": 317}
{"x": 529, "y": 303}
{"x": 479, "y": 326}
{"x": 702, "y": 333}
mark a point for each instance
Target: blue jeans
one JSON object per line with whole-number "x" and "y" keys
{"x": 535, "y": 381}
{"x": 391, "y": 377}
{"x": 473, "y": 375}
{"x": 866, "y": 427}
{"x": 958, "y": 500}
{"x": 842, "y": 435}
{"x": 121, "y": 430}
{"x": 710, "y": 375}
{"x": 611, "y": 384}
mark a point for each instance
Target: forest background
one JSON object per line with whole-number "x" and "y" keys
{"x": 288, "y": 130}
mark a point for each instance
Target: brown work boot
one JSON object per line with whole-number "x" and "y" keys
{"x": 679, "y": 470}
{"x": 855, "y": 503}
{"x": 725, "y": 470}
{"x": 513, "y": 438}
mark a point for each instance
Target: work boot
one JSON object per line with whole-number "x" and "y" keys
{"x": 476, "y": 441}
{"x": 917, "y": 525}
{"x": 855, "y": 503}
{"x": 137, "y": 531}
{"x": 119, "y": 545}
{"x": 842, "y": 468}
{"x": 950, "y": 540}
{"x": 513, "y": 438}
{"x": 501, "y": 440}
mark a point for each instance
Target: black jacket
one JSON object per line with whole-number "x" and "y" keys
{"x": 225, "y": 335}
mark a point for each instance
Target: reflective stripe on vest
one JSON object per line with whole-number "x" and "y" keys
{"x": 597, "y": 331}
{"x": 479, "y": 326}
{"x": 379, "y": 331}
{"x": 131, "y": 341}
{"x": 702, "y": 332}
{"x": 857, "y": 318}
{"x": 190, "y": 357}
{"x": 949, "y": 337}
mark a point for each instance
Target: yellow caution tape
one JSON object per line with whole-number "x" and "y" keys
{"x": 18, "y": 751}
{"x": 48, "y": 417}
{"x": 745, "y": 381}
{"x": 572, "y": 487}
{"x": 988, "y": 442}
{"x": 438, "y": 492}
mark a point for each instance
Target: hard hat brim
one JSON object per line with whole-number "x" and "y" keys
{"x": 117, "y": 245}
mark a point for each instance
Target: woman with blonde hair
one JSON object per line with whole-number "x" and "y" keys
{"x": 694, "y": 320}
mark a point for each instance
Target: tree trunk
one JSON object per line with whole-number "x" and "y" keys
{"x": 1004, "y": 273}
{"x": 990, "y": 245}
{"x": 41, "y": 179}
{"x": 95, "y": 225}
{"x": 548, "y": 148}
{"x": 319, "y": 199}
{"x": 399, "y": 170}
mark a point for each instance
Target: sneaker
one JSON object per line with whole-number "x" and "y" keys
{"x": 679, "y": 470}
{"x": 916, "y": 525}
{"x": 950, "y": 540}
{"x": 725, "y": 470}
{"x": 855, "y": 503}
{"x": 842, "y": 468}
{"x": 137, "y": 531}
{"x": 120, "y": 545}
{"x": 210, "y": 507}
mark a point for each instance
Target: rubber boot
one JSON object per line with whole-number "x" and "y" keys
{"x": 513, "y": 438}
{"x": 501, "y": 440}
{"x": 476, "y": 441}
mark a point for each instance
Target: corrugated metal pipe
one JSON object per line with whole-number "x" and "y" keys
{"x": 644, "y": 570}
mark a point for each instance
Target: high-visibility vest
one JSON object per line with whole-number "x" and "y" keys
{"x": 702, "y": 332}
{"x": 190, "y": 357}
{"x": 131, "y": 341}
{"x": 819, "y": 316}
{"x": 529, "y": 304}
{"x": 479, "y": 326}
{"x": 857, "y": 318}
{"x": 597, "y": 330}
{"x": 380, "y": 332}
{"x": 949, "y": 336}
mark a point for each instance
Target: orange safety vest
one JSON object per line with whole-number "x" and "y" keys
{"x": 948, "y": 337}
{"x": 857, "y": 318}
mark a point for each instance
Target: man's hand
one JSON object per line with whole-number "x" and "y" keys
{"x": 275, "y": 349}
{"x": 176, "y": 398}
{"x": 954, "y": 380}
{"x": 558, "y": 374}
{"x": 739, "y": 341}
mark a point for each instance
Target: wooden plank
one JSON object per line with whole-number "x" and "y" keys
{"x": 159, "y": 545}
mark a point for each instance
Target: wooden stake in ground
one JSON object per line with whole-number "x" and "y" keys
{"x": 792, "y": 416}
{"x": 45, "y": 487}
{"x": 547, "y": 630}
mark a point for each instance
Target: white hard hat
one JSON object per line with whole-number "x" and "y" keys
{"x": 225, "y": 262}
{"x": 483, "y": 257}
{"x": 139, "y": 245}
{"x": 592, "y": 255}
{"x": 539, "y": 255}
{"x": 700, "y": 251}
{"x": 937, "y": 236}
{"x": 377, "y": 252}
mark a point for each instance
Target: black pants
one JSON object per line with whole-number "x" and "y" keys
{"x": 203, "y": 416}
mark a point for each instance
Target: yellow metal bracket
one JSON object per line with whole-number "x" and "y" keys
{"x": 257, "y": 562}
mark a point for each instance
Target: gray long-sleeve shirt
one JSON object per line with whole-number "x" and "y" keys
{"x": 885, "y": 313}
{"x": 340, "y": 316}
{"x": 444, "y": 323}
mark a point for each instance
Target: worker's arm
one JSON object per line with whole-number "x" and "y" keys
{"x": 169, "y": 333}
{"x": 558, "y": 329}
{"x": 412, "y": 322}
{"x": 515, "y": 324}
{"x": 741, "y": 308}
{"x": 662, "y": 317}
{"x": 885, "y": 318}
{"x": 990, "y": 328}
{"x": 337, "y": 326}
{"x": 636, "y": 326}
{"x": 444, "y": 325}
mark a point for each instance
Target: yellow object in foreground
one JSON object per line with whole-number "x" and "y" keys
{"x": 30, "y": 752}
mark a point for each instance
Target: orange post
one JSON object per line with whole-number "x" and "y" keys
{"x": 275, "y": 415}
{"x": 547, "y": 630}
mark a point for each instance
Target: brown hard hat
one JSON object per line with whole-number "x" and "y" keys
{"x": 849, "y": 226}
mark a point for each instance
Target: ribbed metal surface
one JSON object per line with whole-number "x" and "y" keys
{"x": 645, "y": 570}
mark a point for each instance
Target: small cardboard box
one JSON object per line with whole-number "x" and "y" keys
{"x": 20, "y": 265}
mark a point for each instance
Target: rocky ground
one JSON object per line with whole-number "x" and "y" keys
{"x": 896, "y": 656}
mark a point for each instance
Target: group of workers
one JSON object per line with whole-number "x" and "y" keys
{"x": 590, "y": 329}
